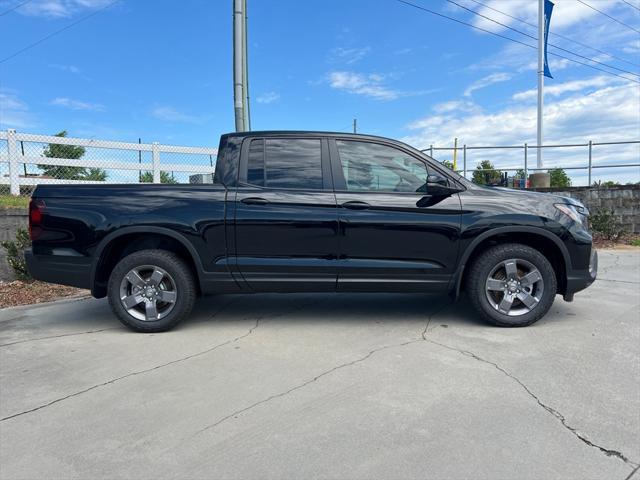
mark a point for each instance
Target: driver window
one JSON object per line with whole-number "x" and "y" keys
{"x": 373, "y": 167}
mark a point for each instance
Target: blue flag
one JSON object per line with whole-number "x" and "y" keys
{"x": 548, "y": 9}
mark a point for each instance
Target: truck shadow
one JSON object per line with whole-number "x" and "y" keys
{"x": 331, "y": 308}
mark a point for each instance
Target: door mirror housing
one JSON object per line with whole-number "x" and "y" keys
{"x": 437, "y": 179}
{"x": 439, "y": 186}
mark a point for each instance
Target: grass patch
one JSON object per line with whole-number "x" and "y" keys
{"x": 11, "y": 201}
{"x": 635, "y": 242}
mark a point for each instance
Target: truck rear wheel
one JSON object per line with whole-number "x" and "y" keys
{"x": 151, "y": 290}
{"x": 512, "y": 285}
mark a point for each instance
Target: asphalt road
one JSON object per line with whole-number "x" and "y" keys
{"x": 327, "y": 386}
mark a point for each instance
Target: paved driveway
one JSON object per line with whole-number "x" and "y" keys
{"x": 318, "y": 386}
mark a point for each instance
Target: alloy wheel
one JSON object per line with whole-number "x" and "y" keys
{"x": 514, "y": 287}
{"x": 148, "y": 293}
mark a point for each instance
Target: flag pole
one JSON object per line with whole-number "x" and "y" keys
{"x": 541, "y": 35}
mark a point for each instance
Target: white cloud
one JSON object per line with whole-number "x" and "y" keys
{"x": 268, "y": 97}
{"x": 565, "y": 14}
{"x": 59, "y": 8}
{"x": 486, "y": 81}
{"x": 455, "y": 105}
{"x": 562, "y": 88}
{"x": 66, "y": 68}
{"x": 76, "y": 104}
{"x": 170, "y": 114}
{"x": 361, "y": 84}
{"x": 14, "y": 113}
{"x": 610, "y": 113}
{"x": 403, "y": 51}
{"x": 348, "y": 55}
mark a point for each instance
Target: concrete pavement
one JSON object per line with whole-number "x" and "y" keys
{"x": 327, "y": 386}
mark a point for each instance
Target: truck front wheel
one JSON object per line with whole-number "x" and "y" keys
{"x": 151, "y": 290}
{"x": 511, "y": 285}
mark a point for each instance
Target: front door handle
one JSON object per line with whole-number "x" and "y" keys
{"x": 254, "y": 201}
{"x": 356, "y": 205}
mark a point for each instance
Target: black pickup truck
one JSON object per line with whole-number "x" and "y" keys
{"x": 312, "y": 212}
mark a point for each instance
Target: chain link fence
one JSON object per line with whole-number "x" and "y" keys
{"x": 27, "y": 160}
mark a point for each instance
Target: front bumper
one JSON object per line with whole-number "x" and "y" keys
{"x": 74, "y": 271}
{"x": 580, "y": 279}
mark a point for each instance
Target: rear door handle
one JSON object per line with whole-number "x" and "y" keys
{"x": 254, "y": 201}
{"x": 356, "y": 205}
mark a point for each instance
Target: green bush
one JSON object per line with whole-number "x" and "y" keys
{"x": 15, "y": 254}
{"x": 605, "y": 224}
{"x": 559, "y": 178}
{"x": 486, "y": 174}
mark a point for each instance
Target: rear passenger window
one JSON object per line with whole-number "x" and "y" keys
{"x": 255, "y": 172}
{"x": 285, "y": 163}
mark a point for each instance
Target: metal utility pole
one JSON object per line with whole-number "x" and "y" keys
{"x": 245, "y": 73}
{"x": 239, "y": 65}
{"x": 540, "y": 77}
{"x": 355, "y": 125}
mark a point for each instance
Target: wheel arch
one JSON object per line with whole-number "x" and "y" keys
{"x": 538, "y": 238}
{"x": 130, "y": 239}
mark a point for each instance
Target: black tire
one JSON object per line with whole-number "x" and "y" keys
{"x": 492, "y": 259}
{"x": 178, "y": 282}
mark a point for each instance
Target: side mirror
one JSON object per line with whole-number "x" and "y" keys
{"x": 437, "y": 179}
{"x": 438, "y": 186}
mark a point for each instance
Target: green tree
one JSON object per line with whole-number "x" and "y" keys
{"x": 486, "y": 174}
{"x": 95, "y": 175}
{"x": 520, "y": 174}
{"x": 71, "y": 152}
{"x": 447, "y": 164}
{"x": 608, "y": 184}
{"x": 559, "y": 178}
{"x": 147, "y": 177}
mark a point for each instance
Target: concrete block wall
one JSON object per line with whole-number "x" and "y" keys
{"x": 11, "y": 219}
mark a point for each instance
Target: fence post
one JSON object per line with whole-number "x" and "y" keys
{"x": 12, "y": 152}
{"x": 526, "y": 166}
{"x": 590, "y": 148}
{"x": 155, "y": 152}
{"x": 464, "y": 160}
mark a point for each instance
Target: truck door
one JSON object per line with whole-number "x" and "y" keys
{"x": 286, "y": 221}
{"x": 394, "y": 234}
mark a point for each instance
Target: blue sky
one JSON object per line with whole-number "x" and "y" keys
{"x": 161, "y": 70}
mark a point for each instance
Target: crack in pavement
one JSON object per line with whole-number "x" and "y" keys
{"x": 551, "y": 410}
{"x": 317, "y": 377}
{"x": 617, "y": 281}
{"x": 157, "y": 367}
{"x": 633, "y": 472}
{"x": 58, "y": 336}
{"x": 216, "y": 313}
{"x": 424, "y": 337}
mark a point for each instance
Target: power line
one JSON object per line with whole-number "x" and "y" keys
{"x": 14, "y": 8}
{"x": 47, "y": 37}
{"x": 512, "y": 39}
{"x": 556, "y": 34}
{"x": 609, "y": 16}
{"x": 536, "y": 39}
{"x": 630, "y": 4}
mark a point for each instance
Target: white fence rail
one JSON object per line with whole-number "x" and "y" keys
{"x": 29, "y": 159}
